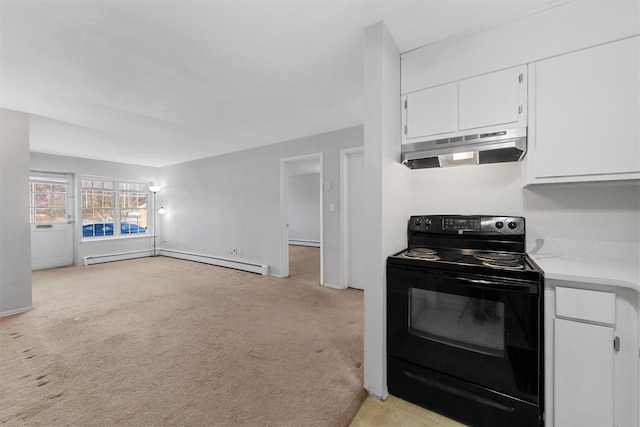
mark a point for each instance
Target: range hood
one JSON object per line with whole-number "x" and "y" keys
{"x": 493, "y": 147}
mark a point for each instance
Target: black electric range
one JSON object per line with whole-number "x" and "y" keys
{"x": 465, "y": 320}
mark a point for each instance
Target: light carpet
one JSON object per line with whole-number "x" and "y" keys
{"x": 161, "y": 341}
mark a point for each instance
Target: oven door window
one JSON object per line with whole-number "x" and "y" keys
{"x": 471, "y": 323}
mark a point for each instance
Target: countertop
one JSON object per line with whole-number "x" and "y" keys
{"x": 594, "y": 262}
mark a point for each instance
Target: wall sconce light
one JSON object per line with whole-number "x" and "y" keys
{"x": 162, "y": 210}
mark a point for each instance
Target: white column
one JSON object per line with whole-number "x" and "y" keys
{"x": 386, "y": 193}
{"x": 15, "y": 233}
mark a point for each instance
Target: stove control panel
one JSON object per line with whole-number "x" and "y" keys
{"x": 461, "y": 223}
{"x": 464, "y": 224}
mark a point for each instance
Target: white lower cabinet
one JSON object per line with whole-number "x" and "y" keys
{"x": 583, "y": 382}
{"x": 591, "y": 356}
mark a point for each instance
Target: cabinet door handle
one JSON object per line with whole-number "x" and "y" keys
{"x": 616, "y": 343}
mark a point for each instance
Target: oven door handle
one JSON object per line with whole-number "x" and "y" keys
{"x": 531, "y": 288}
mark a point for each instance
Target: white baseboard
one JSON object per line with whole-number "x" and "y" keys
{"x": 121, "y": 256}
{"x": 222, "y": 262}
{"x": 331, "y": 285}
{"x": 304, "y": 243}
{"x": 15, "y": 311}
{"x": 383, "y": 397}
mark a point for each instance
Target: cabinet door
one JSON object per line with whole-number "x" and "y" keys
{"x": 493, "y": 99}
{"x": 432, "y": 111}
{"x": 586, "y": 112}
{"x": 583, "y": 374}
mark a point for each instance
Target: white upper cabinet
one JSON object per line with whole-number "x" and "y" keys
{"x": 493, "y": 99}
{"x": 433, "y": 111}
{"x": 584, "y": 121}
{"x": 489, "y": 102}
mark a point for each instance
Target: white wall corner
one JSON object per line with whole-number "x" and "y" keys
{"x": 15, "y": 231}
{"x": 382, "y": 147}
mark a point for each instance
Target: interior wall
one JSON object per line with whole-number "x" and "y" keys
{"x": 386, "y": 198}
{"x": 303, "y": 209}
{"x": 233, "y": 201}
{"x": 15, "y": 233}
{"x": 80, "y": 167}
{"x": 592, "y": 212}
{"x": 585, "y": 211}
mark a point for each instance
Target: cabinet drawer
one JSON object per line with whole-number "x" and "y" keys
{"x": 595, "y": 306}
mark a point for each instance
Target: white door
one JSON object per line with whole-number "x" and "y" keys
{"x": 356, "y": 234}
{"x": 583, "y": 374}
{"x": 50, "y": 212}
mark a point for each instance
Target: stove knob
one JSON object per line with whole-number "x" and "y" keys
{"x": 427, "y": 222}
{"x": 499, "y": 224}
{"x": 513, "y": 225}
{"x": 418, "y": 222}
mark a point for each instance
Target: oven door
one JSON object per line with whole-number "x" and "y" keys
{"x": 482, "y": 330}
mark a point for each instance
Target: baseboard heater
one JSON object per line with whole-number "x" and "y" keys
{"x": 120, "y": 256}
{"x": 222, "y": 262}
{"x": 313, "y": 243}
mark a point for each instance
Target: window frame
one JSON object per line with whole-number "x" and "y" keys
{"x": 118, "y": 191}
{"x": 37, "y": 179}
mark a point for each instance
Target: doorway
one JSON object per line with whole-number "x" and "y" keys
{"x": 51, "y": 220}
{"x": 353, "y": 235}
{"x": 301, "y": 210}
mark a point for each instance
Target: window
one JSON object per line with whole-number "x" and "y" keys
{"x": 112, "y": 207}
{"x": 47, "y": 200}
{"x": 133, "y": 207}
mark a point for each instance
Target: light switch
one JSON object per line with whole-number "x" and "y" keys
{"x": 327, "y": 186}
{"x": 332, "y": 207}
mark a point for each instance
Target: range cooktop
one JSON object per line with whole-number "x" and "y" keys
{"x": 491, "y": 245}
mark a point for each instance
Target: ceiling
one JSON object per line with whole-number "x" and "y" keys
{"x": 161, "y": 82}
